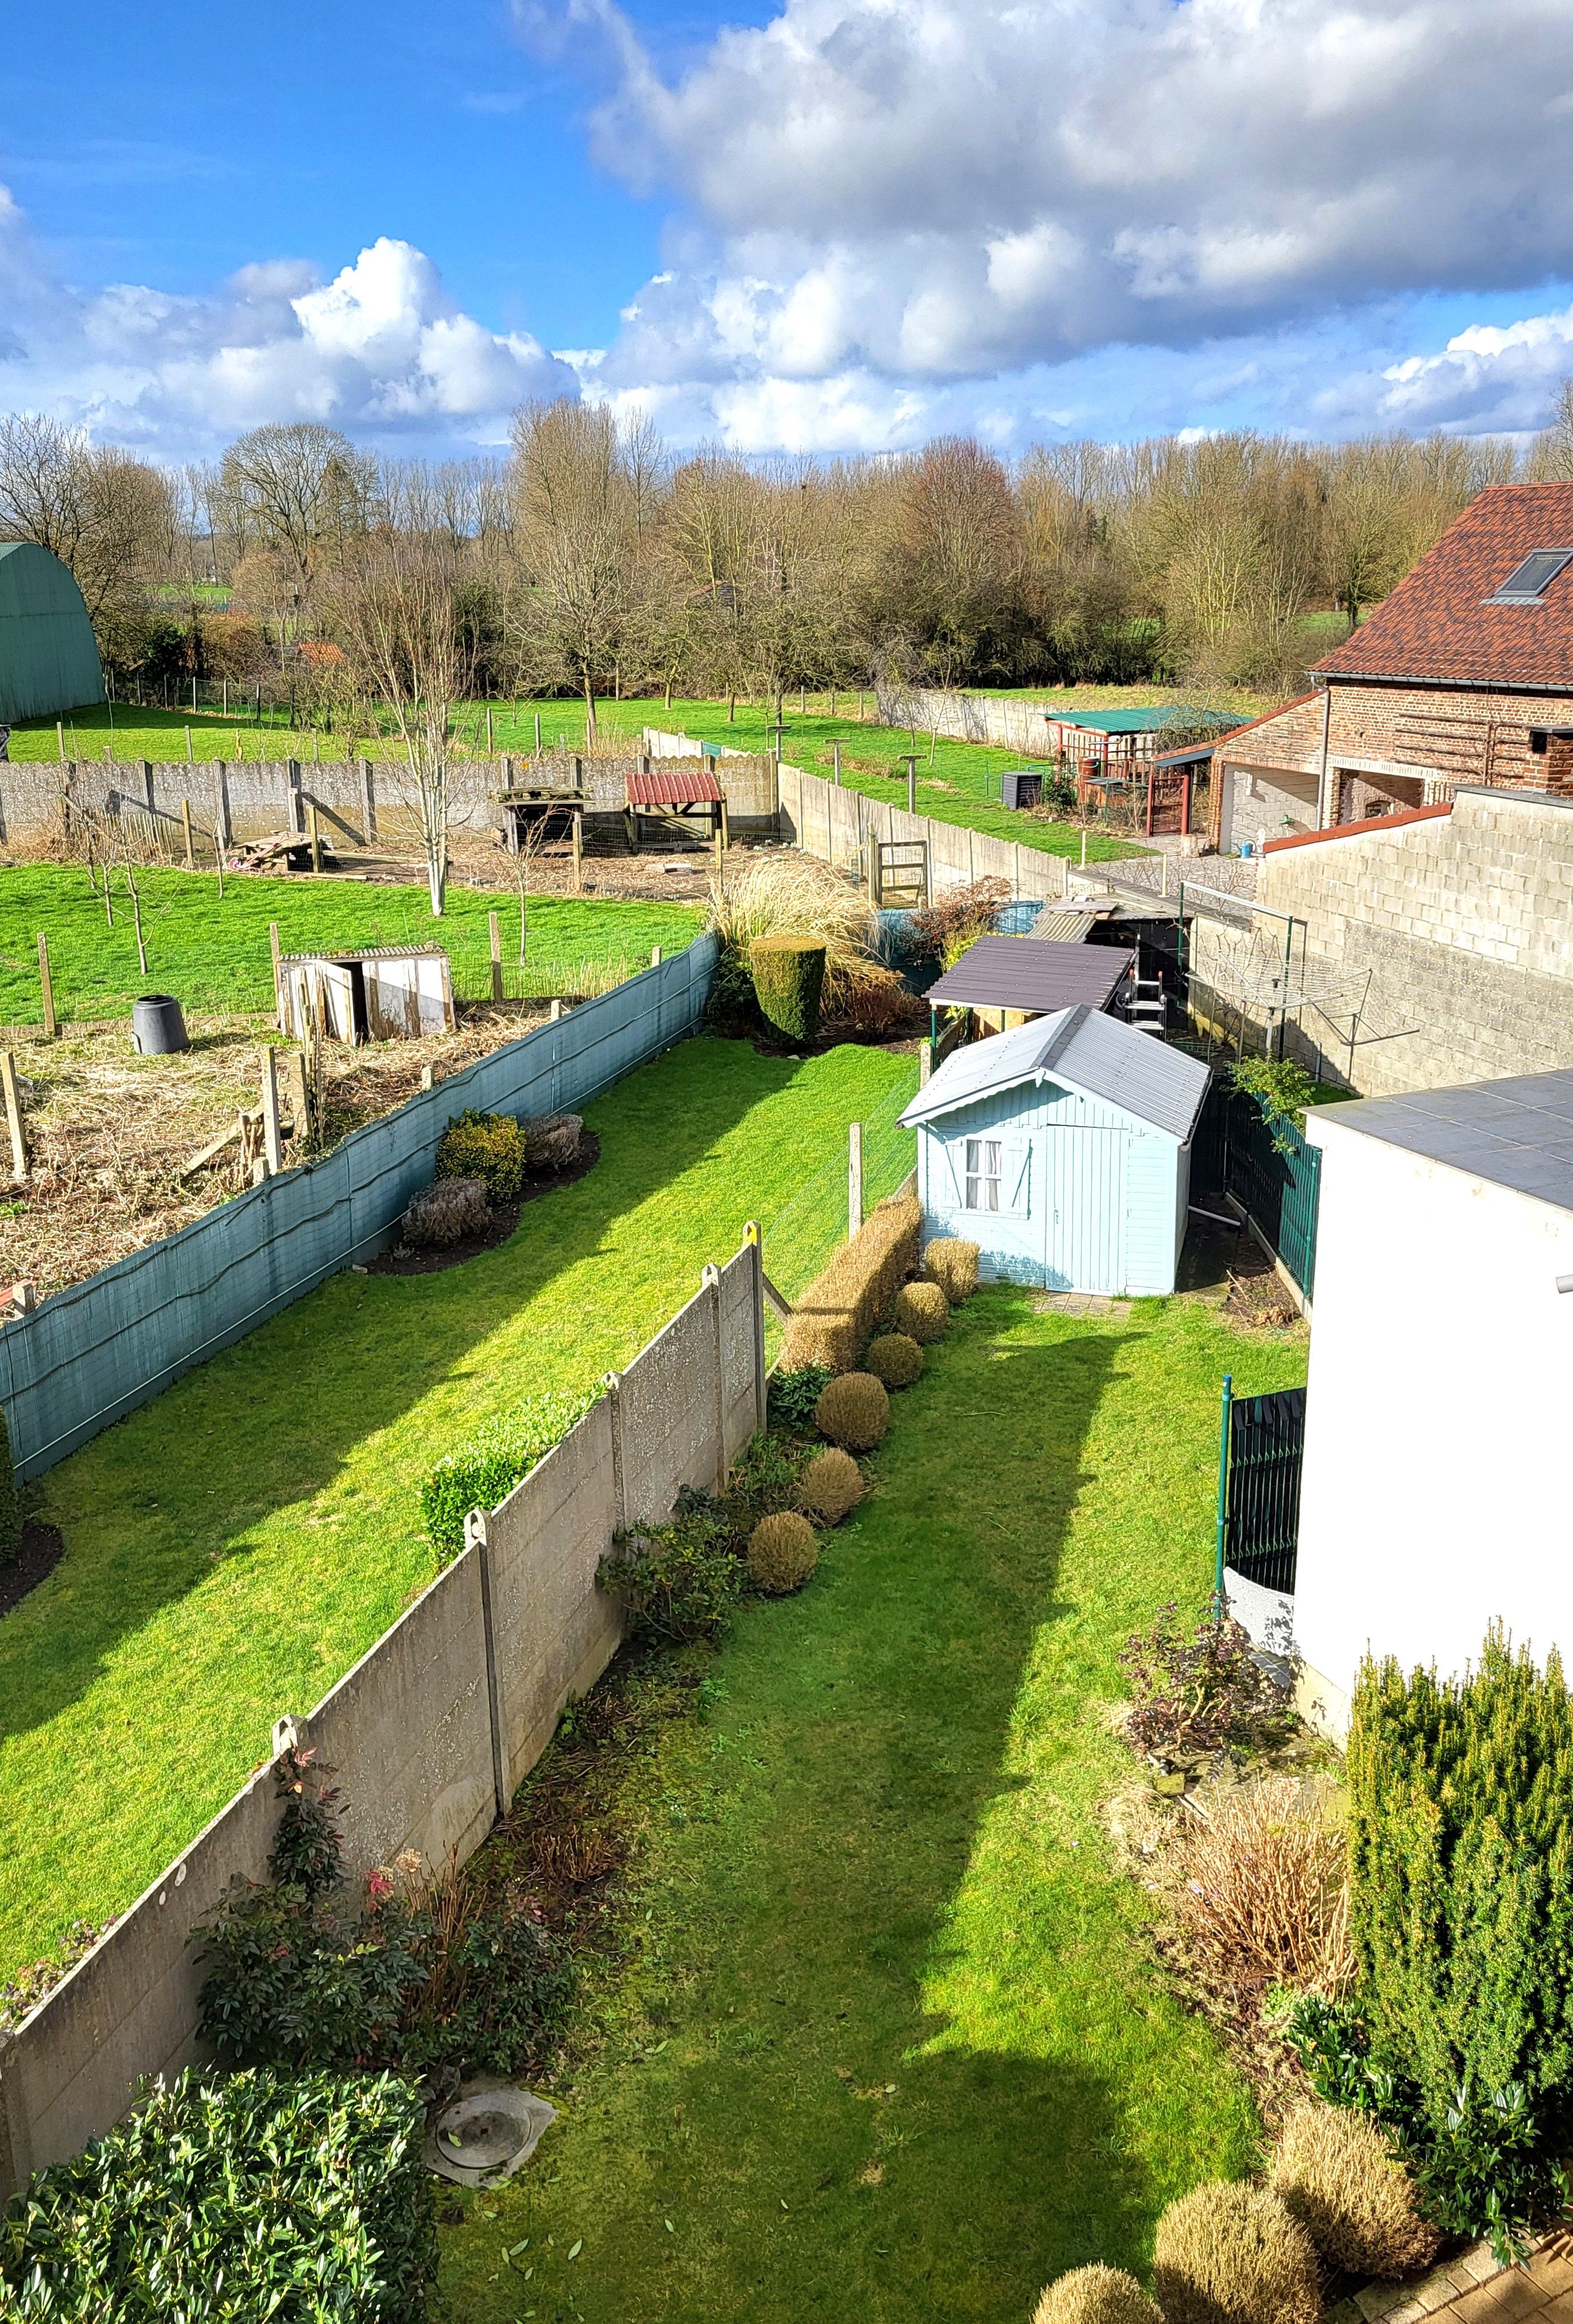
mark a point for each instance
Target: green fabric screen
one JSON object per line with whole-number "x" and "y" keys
{"x": 49, "y": 659}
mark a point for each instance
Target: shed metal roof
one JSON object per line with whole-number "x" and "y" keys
{"x": 1084, "y": 1050}
{"x": 1031, "y": 972}
{"x": 1516, "y": 1133}
{"x": 1146, "y": 720}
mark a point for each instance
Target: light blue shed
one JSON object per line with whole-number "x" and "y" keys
{"x": 1063, "y": 1150}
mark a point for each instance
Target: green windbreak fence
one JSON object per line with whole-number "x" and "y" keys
{"x": 801, "y": 1237}
{"x": 1269, "y": 1168}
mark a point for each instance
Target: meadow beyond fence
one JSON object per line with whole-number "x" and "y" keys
{"x": 432, "y": 1732}
{"x": 93, "y": 1354}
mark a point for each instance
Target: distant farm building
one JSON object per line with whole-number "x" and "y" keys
{"x": 49, "y": 659}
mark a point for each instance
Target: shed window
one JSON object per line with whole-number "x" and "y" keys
{"x": 984, "y": 1159}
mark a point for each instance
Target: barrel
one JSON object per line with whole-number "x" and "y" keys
{"x": 158, "y": 1029}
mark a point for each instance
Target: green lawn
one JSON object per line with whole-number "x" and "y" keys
{"x": 213, "y": 951}
{"x": 235, "y": 1544}
{"x": 891, "y": 2045}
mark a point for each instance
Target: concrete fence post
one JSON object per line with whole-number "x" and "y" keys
{"x": 754, "y": 1241}
{"x": 475, "y": 1538}
{"x": 612, "y": 1383}
{"x": 15, "y": 2140}
{"x": 710, "y": 1278}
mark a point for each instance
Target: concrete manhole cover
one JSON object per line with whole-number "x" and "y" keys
{"x": 488, "y": 2131}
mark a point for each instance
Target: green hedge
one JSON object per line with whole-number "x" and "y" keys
{"x": 789, "y": 977}
{"x": 484, "y": 1471}
{"x": 265, "y": 2195}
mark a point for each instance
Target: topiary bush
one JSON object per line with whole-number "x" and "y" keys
{"x": 1234, "y": 2253}
{"x": 789, "y": 977}
{"x": 894, "y": 1358}
{"x": 831, "y": 1486}
{"x": 952, "y": 1263}
{"x": 922, "y": 1312}
{"x": 10, "y": 1505}
{"x": 486, "y": 1471}
{"x": 1354, "y": 2199}
{"x": 854, "y": 1411}
{"x": 831, "y": 1322}
{"x": 261, "y": 2194}
{"x": 1095, "y": 2295}
{"x": 449, "y": 1211}
{"x": 782, "y": 1552}
{"x": 489, "y": 1147}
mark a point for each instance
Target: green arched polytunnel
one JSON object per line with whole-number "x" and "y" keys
{"x": 48, "y": 658}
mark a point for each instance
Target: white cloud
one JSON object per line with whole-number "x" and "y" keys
{"x": 381, "y": 350}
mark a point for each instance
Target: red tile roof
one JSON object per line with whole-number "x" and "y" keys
{"x": 679, "y": 786}
{"x": 1437, "y": 625}
{"x": 1352, "y": 830}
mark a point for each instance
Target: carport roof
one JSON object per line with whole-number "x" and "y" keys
{"x": 1031, "y": 972}
{"x": 1516, "y": 1133}
{"x": 1085, "y": 1050}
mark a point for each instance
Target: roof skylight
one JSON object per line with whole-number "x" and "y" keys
{"x": 1529, "y": 581}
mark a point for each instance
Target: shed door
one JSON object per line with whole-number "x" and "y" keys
{"x": 1084, "y": 1210}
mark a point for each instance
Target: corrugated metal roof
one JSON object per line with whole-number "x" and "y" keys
{"x": 1137, "y": 722}
{"x": 1062, "y": 927}
{"x": 1516, "y": 1133}
{"x": 1085, "y": 1050}
{"x": 679, "y": 786}
{"x": 1031, "y": 972}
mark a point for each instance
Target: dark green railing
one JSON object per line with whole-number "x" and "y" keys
{"x": 1269, "y": 1168}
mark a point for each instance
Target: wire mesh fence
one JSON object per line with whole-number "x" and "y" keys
{"x": 800, "y": 1239}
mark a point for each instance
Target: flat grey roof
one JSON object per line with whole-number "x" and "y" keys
{"x": 1516, "y": 1133}
{"x": 1032, "y": 973}
{"x": 1084, "y": 1049}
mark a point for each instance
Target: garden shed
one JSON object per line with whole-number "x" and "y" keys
{"x": 1063, "y": 1150}
{"x": 49, "y": 661}
{"x": 391, "y": 993}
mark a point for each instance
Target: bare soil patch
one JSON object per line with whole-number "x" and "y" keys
{"x": 39, "y": 1552}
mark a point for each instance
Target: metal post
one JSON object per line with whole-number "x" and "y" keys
{"x": 910, "y": 759}
{"x": 494, "y": 927}
{"x": 1283, "y": 1008}
{"x": 46, "y": 987}
{"x": 186, "y": 831}
{"x": 933, "y": 1036}
{"x": 1223, "y": 1498}
{"x": 836, "y": 761}
{"x": 273, "y": 1140}
{"x": 854, "y": 1178}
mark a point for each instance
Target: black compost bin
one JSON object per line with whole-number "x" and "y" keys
{"x": 158, "y": 1029}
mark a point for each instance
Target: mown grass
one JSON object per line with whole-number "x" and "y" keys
{"x": 234, "y": 1546}
{"x": 890, "y": 2043}
{"x": 213, "y": 952}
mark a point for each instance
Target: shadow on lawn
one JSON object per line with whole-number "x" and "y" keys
{"x": 149, "y": 1509}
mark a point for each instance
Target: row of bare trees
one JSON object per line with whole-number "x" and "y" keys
{"x": 591, "y": 560}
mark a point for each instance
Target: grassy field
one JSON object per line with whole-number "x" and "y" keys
{"x": 213, "y": 951}
{"x": 890, "y": 2044}
{"x": 234, "y": 1545}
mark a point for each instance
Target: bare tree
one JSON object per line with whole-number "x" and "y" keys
{"x": 581, "y": 494}
{"x": 1551, "y": 453}
{"x": 394, "y": 609}
{"x": 108, "y": 517}
{"x": 297, "y": 490}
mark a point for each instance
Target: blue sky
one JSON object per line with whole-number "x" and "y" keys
{"x": 822, "y": 225}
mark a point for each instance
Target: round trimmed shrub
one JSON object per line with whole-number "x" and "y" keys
{"x": 1229, "y": 2253}
{"x": 922, "y": 1312}
{"x": 789, "y": 976}
{"x": 782, "y": 1552}
{"x": 894, "y": 1358}
{"x": 952, "y": 1263}
{"x": 489, "y": 1147}
{"x": 1353, "y": 2198}
{"x": 831, "y": 1485}
{"x": 853, "y": 1411}
{"x": 1095, "y": 2295}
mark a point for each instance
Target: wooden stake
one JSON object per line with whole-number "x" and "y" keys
{"x": 46, "y": 987}
{"x": 190, "y": 754}
{"x": 13, "y": 1117}
{"x": 579, "y": 849}
{"x": 273, "y": 1140}
{"x": 494, "y": 928}
{"x": 186, "y": 829}
{"x": 655, "y": 956}
{"x": 315, "y": 834}
{"x": 555, "y": 1011}
{"x": 488, "y": 730}
{"x": 278, "y": 981}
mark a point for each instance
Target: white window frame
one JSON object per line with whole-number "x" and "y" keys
{"x": 987, "y": 1170}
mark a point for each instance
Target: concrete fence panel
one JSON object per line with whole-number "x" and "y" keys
{"x": 671, "y": 1412}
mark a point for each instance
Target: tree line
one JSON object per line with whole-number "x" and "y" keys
{"x": 591, "y": 559}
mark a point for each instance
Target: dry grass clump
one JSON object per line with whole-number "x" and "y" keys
{"x": 1233, "y": 2254}
{"x": 795, "y": 895}
{"x": 831, "y": 1323}
{"x": 952, "y": 1263}
{"x": 880, "y": 1002}
{"x": 782, "y": 1552}
{"x": 1095, "y": 2295}
{"x": 831, "y": 1485}
{"x": 853, "y": 1411}
{"x": 1262, "y": 1889}
{"x": 922, "y": 1312}
{"x": 552, "y": 1141}
{"x": 894, "y": 1358}
{"x": 448, "y": 1212}
{"x": 1349, "y": 2192}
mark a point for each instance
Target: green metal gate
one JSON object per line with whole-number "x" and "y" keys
{"x": 1269, "y": 1168}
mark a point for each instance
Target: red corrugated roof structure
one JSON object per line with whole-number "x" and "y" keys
{"x": 1439, "y": 627}
{"x": 678, "y": 785}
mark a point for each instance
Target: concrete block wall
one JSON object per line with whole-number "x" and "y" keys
{"x": 430, "y": 1732}
{"x": 839, "y": 826}
{"x": 1463, "y": 923}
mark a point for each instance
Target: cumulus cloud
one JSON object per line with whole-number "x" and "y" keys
{"x": 381, "y": 350}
